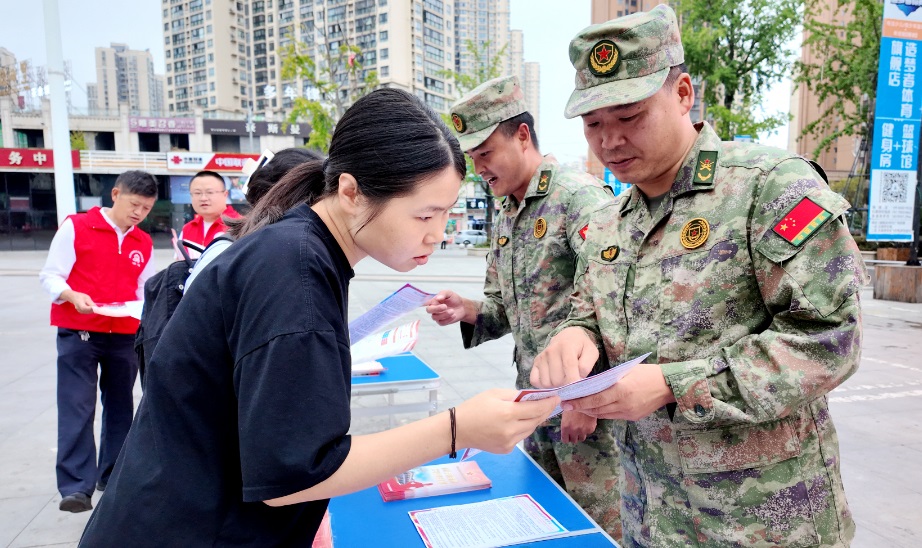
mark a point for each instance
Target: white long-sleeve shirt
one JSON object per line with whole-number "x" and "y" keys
{"x": 62, "y": 256}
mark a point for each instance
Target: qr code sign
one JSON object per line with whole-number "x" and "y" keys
{"x": 895, "y": 187}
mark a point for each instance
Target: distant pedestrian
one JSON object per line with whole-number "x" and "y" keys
{"x": 209, "y": 201}
{"x": 97, "y": 257}
{"x": 444, "y": 240}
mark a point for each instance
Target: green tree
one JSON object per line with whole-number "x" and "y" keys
{"x": 77, "y": 140}
{"x": 845, "y": 41}
{"x": 485, "y": 68}
{"x": 334, "y": 70}
{"x": 737, "y": 49}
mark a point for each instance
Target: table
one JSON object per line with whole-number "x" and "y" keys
{"x": 405, "y": 373}
{"x": 363, "y": 519}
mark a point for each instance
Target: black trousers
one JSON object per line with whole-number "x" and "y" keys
{"x": 81, "y": 355}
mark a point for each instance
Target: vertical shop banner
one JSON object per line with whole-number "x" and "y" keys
{"x": 895, "y": 152}
{"x": 616, "y": 186}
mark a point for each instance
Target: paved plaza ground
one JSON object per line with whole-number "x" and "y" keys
{"x": 878, "y": 412}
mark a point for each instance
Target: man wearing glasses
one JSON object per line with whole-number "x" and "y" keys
{"x": 209, "y": 200}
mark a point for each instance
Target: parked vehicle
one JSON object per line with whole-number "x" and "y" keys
{"x": 470, "y": 237}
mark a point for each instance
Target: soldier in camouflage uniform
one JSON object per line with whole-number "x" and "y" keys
{"x": 731, "y": 265}
{"x": 530, "y": 276}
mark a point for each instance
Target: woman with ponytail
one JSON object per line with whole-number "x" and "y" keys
{"x": 242, "y": 435}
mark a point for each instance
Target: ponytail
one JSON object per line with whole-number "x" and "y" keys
{"x": 304, "y": 184}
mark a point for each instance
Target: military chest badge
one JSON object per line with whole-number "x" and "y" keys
{"x": 604, "y": 58}
{"x": 540, "y": 227}
{"x": 502, "y": 241}
{"x": 610, "y": 253}
{"x": 695, "y": 233}
{"x": 802, "y": 221}
{"x": 583, "y": 231}
{"x": 704, "y": 167}
{"x": 458, "y": 122}
{"x": 544, "y": 182}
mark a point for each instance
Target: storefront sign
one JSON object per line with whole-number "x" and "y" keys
{"x": 32, "y": 158}
{"x": 898, "y": 115}
{"x": 212, "y": 161}
{"x": 242, "y": 128}
{"x": 146, "y": 124}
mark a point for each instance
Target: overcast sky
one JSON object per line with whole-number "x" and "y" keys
{"x": 90, "y": 23}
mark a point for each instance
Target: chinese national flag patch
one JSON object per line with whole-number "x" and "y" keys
{"x": 583, "y": 231}
{"x": 802, "y": 221}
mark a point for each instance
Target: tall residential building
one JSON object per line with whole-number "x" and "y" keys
{"x": 126, "y": 76}
{"x": 531, "y": 85}
{"x": 529, "y": 74}
{"x": 481, "y": 22}
{"x": 207, "y": 60}
{"x": 226, "y": 60}
{"x": 606, "y": 10}
{"x": 806, "y": 108}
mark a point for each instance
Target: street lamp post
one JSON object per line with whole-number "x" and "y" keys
{"x": 66, "y": 202}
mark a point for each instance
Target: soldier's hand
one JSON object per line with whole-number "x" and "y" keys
{"x": 81, "y": 301}
{"x": 575, "y": 426}
{"x": 447, "y": 308}
{"x": 569, "y": 357}
{"x": 638, "y": 394}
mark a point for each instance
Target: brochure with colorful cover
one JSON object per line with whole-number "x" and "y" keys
{"x": 435, "y": 479}
{"x": 387, "y": 343}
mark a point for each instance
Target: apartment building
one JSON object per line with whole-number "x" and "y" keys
{"x": 482, "y": 21}
{"x": 125, "y": 76}
{"x": 223, "y": 55}
{"x": 805, "y": 108}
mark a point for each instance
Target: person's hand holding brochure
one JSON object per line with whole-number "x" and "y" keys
{"x": 394, "y": 306}
{"x": 574, "y": 390}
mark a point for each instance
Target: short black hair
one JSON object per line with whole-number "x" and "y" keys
{"x": 272, "y": 171}
{"x": 207, "y": 173}
{"x": 510, "y": 126}
{"x": 137, "y": 182}
{"x": 674, "y": 73}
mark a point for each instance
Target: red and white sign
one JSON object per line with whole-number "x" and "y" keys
{"x": 212, "y": 161}
{"x": 32, "y": 158}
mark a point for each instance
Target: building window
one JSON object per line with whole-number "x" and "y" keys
{"x": 385, "y": 71}
{"x": 382, "y": 36}
{"x": 384, "y": 53}
{"x": 382, "y": 18}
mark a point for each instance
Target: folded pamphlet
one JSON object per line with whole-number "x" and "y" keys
{"x": 387, "y": 343}
{"x": 434, "y": 479}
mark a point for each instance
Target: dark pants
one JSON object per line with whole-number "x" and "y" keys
{"x": 114, "y": 356}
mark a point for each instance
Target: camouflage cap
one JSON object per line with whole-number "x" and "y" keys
{"x": 624, "y": 60}
{"x": 476, "y": 115}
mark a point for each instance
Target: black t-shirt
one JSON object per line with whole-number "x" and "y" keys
{"x": 246, "y": 399}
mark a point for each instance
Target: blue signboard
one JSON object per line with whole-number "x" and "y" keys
{"x": 617, "y": 186}
{"x": 898, "y": 115}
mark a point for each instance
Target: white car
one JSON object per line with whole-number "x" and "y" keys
{"x": 472, "y": 237}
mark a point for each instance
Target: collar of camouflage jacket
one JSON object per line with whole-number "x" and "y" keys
{"x": 535, "y": 187}
{"x": 707, "y": 145}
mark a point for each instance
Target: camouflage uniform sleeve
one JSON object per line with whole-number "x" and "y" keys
{"x": 582, "y": 203}
{"x": 812, "y": 316}
{"x": 492, "y": 322}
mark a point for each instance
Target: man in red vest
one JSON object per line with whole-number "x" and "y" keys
{"x": 209, "y": 200}
{"x": 95, "y": 258}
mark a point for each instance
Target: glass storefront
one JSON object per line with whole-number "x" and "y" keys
{"x": 28, "y": 208}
